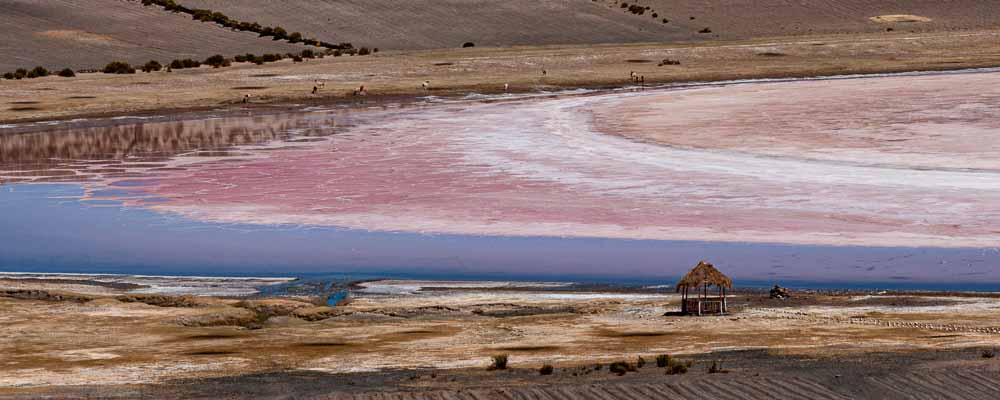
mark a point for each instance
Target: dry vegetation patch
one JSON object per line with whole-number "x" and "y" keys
{"x": 899, "y": 18}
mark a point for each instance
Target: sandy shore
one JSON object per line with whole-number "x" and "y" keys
{"x": 409, "y": 336}
{"x": 395, "y": 75}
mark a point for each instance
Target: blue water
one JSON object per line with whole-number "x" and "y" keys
{"x": 45, "y": 228}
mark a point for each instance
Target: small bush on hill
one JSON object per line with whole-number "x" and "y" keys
{"x": 20, "y": 73}
{"x": 217, "y": 61}
{"x": 677, "y": 367}
{"x": 546, "y": 370}
{"x": 185, "y": 63}
{"x": 9, "y": 75}
{"x": 118, "y": 67}
{"x": 468, "y": 45}
{"x": 151, "y": 66}
{"x": 279, "y": 33}
{"x": 308, "y": 53}
{"x": 621, "y": 367}
{"x": 662, "y": 360}
{"x": 499, "y": 362}
{"x": 37, "y": 72}
{"x": 989, "y": 353}
{"x": 296, "y": 58}
{"x": 364, "y": 51}
{"x": 67, "y": 73}
{"x": 295, "y": 37}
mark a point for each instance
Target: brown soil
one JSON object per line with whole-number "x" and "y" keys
{"x": 397, "y": 76}
{"x": 439, "y": 343}
{"x": 416, "y": 24}
{"x": 960, "y": 374}
{"x": 91, "y": 33}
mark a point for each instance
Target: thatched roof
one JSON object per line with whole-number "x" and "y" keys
{"x": 704, "y": 273}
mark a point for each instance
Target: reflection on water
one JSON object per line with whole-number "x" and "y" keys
{"x": 93, "y": 153}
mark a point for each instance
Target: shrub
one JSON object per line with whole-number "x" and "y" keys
{"x": 546, "y": 370}
{"x": 989, "y": 353}
{"x": 295, "y": 37}
{"x": 185, "y": 63}
{"x": 364, "y": 51}
{"x": 307, "y": 53}
{"x": 621, "y": 368}
{"x": 641, "y": 362}
{"x": 468, "y": 44}
{"x": 151, "y": 66}
{"x": 706, "y": 30}
{"x": 279, "y": 33}
{"x": 39, "y": 72}
{"x": 499, "y": 362}
{"x": 217, "y": 61}
{"x": 118, "y": 67}
{"x": 271, "y": 57}
{"x": 67, "y": 73}
{"x": 663, "y": 360}
{"x": 296, "y": 58}
{"x": 676, "y": 367}
{"x": 666, "y": 20}
{"x": 20, "y": 73}
{"x": 9, "y": 75}
{"x": 375, "y": 50}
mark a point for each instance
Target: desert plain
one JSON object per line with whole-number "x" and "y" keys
{"x": 122, "y": 337}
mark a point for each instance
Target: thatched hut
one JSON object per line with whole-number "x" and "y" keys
{"x": 701, "y": 277}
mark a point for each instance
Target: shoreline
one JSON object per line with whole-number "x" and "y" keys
{"x": 395, "y": 76}
{"x": 513, "y": 284}
{"x": 302, "y": 105}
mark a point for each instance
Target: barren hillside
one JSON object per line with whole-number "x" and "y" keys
{"x": 91, "y": 33}
{"x": 391, "y": 24}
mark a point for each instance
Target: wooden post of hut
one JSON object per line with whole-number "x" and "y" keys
{"x": 701, "y": 277}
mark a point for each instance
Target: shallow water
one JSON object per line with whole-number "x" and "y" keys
{"x": 833, "y": 187}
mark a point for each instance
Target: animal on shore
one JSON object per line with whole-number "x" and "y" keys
{"x": 315, "y": 89}
{"x": 246, "y": 98}
{"x": 506, "y": 87}
{"x": 426, "y": 85}
{"x": 544, "y": 72}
